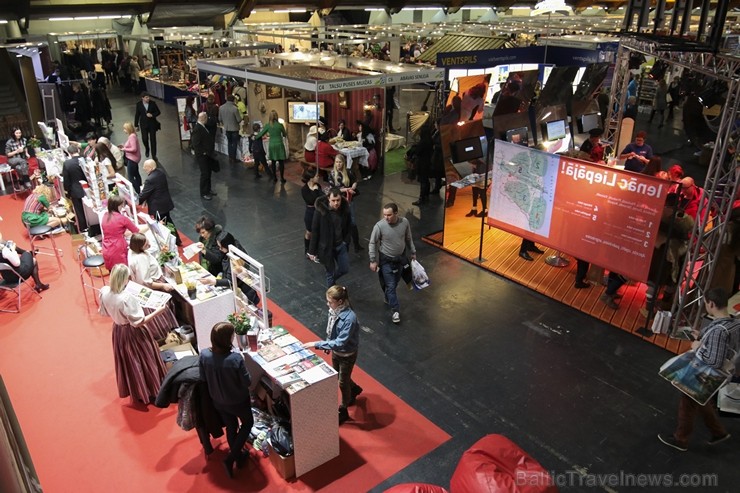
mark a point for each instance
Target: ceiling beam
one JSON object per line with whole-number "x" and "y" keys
{"x": 42, "y": 11}
{"x": 244, "y": 10}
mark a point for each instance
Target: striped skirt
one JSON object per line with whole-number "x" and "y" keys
{"x": 161, "y": 324}
{"x": 139, "y": 367}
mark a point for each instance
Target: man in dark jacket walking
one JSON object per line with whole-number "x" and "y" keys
{"x": 72, "y": 174}
{"x": 202, "y": 142}
{"x": 330, "y": 235}
{"x": 156, "y": 195}
{"x": 145, "y": 119}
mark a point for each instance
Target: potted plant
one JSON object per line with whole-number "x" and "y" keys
{"x": 240, "y": 321}
{"x": 34, "y": 144}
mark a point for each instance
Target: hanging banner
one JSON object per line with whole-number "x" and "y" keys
{"x": 602, "y": 215}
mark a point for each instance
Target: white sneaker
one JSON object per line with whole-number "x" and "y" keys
{"x": 396, "y": 318}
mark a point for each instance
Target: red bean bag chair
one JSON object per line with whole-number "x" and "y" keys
{"x": 416, "y": 488}
{"x": 495, "y": 464}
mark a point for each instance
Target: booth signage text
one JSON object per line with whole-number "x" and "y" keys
{"x": 606, "y": 216}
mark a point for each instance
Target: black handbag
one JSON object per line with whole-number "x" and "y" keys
{"x": 215, "y": 165}
{"x": 281, "y": 439}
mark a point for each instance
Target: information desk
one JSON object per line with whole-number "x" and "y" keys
{"x": 311, "y": 386}
{"x": 210, "y": 306}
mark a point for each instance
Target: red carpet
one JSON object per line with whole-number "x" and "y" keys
{"x": 58, "y": 366}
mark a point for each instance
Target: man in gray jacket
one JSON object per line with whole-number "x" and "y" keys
{"x": 231, "y": 119}
{"x": 391, "y": 249}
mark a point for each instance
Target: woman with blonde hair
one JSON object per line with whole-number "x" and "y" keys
{"x": 35, "y": 209}
{"x": 345, "y": 181}
{"x": 342, "y": 339}
{"x": 139, "y": 368}
{"x": 276, "y": 148}
{"x": 132, "y": 155}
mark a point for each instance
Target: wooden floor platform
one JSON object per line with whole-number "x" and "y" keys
{"x": 461, "y": 238}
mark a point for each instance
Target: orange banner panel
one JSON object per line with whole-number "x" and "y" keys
{"x": 599, "y": 214}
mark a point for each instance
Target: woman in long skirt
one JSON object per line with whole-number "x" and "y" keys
{"x": 139, "y": 367}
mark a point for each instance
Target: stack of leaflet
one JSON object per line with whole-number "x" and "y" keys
{"x": 285, "y": 360}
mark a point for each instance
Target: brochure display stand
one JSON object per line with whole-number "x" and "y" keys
{"x": 246, "y": 270}
{"x": 309, "y": 385}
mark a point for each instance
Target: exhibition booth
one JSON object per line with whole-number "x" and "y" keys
{"x": 333, "y": 87}
{"x": 505, "y": 183}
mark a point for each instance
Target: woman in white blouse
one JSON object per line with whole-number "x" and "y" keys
{"x": 106, "y": 162}
{"x": 146, "y": 271}
{"x": 144, "y": 267}
{"x": 139, "y": 368}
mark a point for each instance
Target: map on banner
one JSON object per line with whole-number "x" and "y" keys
{"x": 523, "y": 187}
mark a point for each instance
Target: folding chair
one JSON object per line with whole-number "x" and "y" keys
{"x": 88, "y": 263}
{"x": 14, "y": 286}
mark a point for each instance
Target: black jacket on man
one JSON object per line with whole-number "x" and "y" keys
{"x": 156, "y": 194}
{"x": 72, "y": 173}
{"x": 144, "y": 122}
{"x": 201, "y": 140}
{"x": 322, "y": 229}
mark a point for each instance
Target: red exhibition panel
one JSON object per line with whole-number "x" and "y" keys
{"x": 602, "y": 215}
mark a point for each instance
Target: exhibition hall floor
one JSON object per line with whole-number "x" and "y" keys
{"x": 474, "y": 354}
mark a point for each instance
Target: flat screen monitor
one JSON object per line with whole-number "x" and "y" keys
{"x": 155, "y": 71}
{"x": 467, "y": 149}
{"x": 305, "y": 112}
{"x": 518, "y": 136}
{"x": 554, "y": 130}
{"x": 589, "y": 122}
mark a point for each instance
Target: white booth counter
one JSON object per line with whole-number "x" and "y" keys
{"x": 283, "y": 365}
{"x": 208, "y": 305}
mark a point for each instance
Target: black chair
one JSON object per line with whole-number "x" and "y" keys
{"x": 15, "y": 286}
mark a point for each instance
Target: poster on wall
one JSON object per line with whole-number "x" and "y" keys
{"x": 184, "y": 132}
{"x": 602, "y": 215}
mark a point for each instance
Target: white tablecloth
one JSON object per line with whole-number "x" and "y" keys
{"x": 358, "y": 154}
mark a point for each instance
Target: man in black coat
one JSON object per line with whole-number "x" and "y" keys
{"x": 330, "y": 235}
{"x": 72, "y": 174}
{"x": 145, "y": 119}
{"x": 202, "y": 142}
{"x": 156, "y": 195}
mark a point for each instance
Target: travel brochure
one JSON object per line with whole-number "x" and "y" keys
{"x": 286, "y": 360}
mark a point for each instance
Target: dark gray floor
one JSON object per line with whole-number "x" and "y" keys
{"x": 475, "y": 353}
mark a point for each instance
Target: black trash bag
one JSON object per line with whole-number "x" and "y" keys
{"x": 281, "y": 439}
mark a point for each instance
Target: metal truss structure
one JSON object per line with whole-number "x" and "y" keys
{"x": 708, "y": 235}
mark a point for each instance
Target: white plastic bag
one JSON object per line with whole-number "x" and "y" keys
{"x": 661, "y": 322}
{"x": 419, "y": 275}
{"x": 728, "y": 398}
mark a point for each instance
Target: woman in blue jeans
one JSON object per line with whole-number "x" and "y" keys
{"x": 228, "y": 385}
{"x": 342, "y": 339}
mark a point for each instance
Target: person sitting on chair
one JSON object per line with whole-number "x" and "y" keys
{"x": 23, "y": 263}
{"x": 36, "y": 206}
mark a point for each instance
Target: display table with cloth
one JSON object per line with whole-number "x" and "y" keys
{"x": 211, "y": 304}
{"x": 282, "y": 365}
{"x": 353, "y": 152}
{"x": 393, "y": 141}
{"x": 242, "y": 147}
